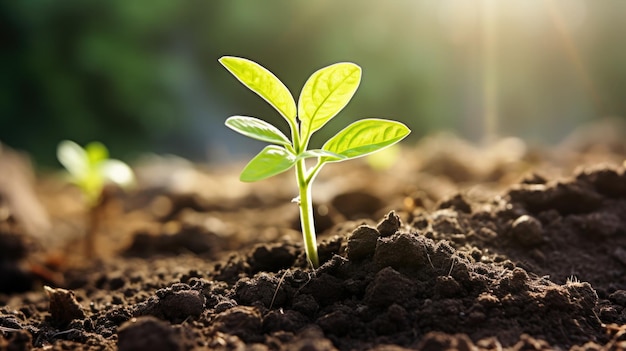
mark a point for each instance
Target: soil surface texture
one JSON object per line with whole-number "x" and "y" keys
{"x": 455, "y": 247}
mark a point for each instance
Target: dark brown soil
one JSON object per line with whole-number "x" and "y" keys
{"x": 455, "y": 248}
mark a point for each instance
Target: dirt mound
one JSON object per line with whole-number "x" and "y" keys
{"x": 539, "y": 267}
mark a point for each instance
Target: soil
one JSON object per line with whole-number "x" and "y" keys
{"x": 455, "y": 247}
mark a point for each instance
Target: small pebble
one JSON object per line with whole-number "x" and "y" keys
{"x": 527, "y": 231}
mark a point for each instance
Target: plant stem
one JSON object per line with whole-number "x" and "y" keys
{"x": 306, "y": 213}
{"x": 92, "y": 228}
{"x": 95, "y": 219}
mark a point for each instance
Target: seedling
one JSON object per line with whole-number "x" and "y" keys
{"x": 90, "y": 169}
{"x": 325, "y": 93}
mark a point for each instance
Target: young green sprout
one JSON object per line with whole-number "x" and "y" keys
{"x": 90, "y": 169}
{"x": 324, "y": 94}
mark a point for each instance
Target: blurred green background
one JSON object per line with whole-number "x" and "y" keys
{"x": 143, "y": 75}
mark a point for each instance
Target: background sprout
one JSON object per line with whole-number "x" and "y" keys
{"x": 324, "y": 94}
{"x": 91, "y": 169}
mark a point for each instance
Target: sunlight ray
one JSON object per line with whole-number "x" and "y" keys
{"x": 572, "y": 53}
{"x": 489, "y": 70}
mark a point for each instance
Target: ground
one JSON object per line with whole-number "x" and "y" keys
{"x": 455, "y": 247}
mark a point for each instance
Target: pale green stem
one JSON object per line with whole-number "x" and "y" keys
{"x": 306, "y": 213}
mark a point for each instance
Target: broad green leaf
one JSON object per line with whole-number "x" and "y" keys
{"x": 257, "y": 129}
{"x": 264, "y": 83}
{"x": 73, "y": 158}
{"x": 270, "y": 161}
{"x": 326, "y": 93}
{"x": 366, "y": 136}
{"x": 320, "y": 153}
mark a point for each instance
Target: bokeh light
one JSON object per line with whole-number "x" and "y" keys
{"x": 146, "y": 78}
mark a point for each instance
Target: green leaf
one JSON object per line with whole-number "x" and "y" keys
{"x": 91, "y": 167}
{"x": 365, "y": 137}
{"x": 117, "y": 172}
{"x": 326, "y": 93}
{"x": 257, "y": 129}
{"x": 270, "y": 161}
{"x": 73, "y": 158}
{"x": 264, "y": 83}
{"x": 96, "y": 152}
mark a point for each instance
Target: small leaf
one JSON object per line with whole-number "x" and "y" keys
{"x": 270, "y": 161}
{"x": 117, "y": 172}
{"x": 257, "y": 129}
{"x": 326, "y": 93}
{"x": 264, "y": 83}
{"x": 96, "y": 152}
{"x": 365, "y": 137}
{"x": 73, "y": 158}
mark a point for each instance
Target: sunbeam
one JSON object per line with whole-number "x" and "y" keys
{"x": 489, "y": 70}
{"x": 572, "y": 54}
